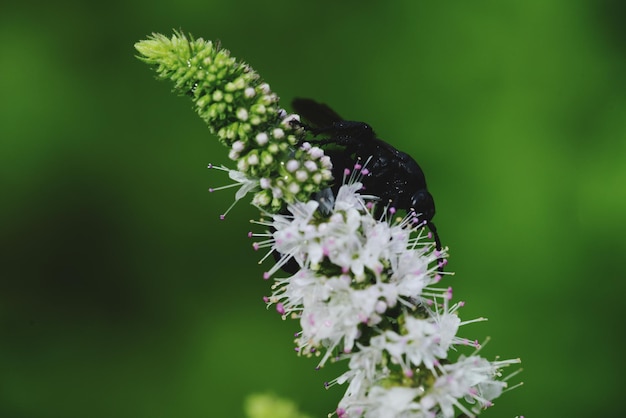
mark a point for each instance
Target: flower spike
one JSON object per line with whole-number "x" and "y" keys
{"x": 243, "y": 112}
{"x": 366, "y": 284}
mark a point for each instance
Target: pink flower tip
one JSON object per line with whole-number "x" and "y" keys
{"x": 266, "y": 275}
{"x": 280, "y": 308}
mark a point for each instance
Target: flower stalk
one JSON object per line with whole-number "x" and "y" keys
{"x": 366, "y": 288}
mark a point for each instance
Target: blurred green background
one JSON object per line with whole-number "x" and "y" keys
{"x": 123, "y": 295}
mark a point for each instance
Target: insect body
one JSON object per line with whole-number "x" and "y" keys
{"x": 394, "y": 176}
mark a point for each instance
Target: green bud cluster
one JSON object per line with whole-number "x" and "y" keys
{"x": 242, "y": 111}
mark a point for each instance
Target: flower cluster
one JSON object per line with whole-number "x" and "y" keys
{"x": 367, "y": 291}
{"x": 243, "y": 112}
{"x": 365, "y": 288}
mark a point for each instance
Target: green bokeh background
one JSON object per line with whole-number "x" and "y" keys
{"x": 123, "y": 295}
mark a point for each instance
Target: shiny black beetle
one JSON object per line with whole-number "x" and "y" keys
{"x": 394, "y": 176}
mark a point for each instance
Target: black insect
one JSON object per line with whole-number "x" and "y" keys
{"x": 394, "y": 176}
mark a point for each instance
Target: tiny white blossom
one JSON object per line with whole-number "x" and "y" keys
{"x": 238, "y": 146}
{"x": 245, "y": 184}
{"x": 249, "y": 92}
{"x": 301, "y": 176}
{"x": 363, "y": 368}
{"x": 422, "y": 343}
{"x": 316, "y": 152}
{"x": 278, "y": 133}
{"x": 277, "y": 192}
{"x": 294, "y": 230}
{"x": 242, "y": 165}
{"x": 217, "y": 95}
{"x": 292, "y": 165}
{"x": 293, "y": 188}
{"x": 349, "y": 198}
{"x": 265, "y": 88}
{"x": 261, "y": 138}
{"x": 253, "y": 159}
{"x": 469, "y": 377}
{"x": 242, "y": 114}
{"x": 392, "y": 402}
{"x": 310, "y": 165}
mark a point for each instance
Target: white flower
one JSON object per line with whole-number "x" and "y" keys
{"x": 383, "y": 402}
{"x": 422, "y": 344}
{"x": 292, "y": 165}
{"x": 349, "y": 198}
{"x": 410, "y": 271}
{"x": 472, "y": 378}
{"x": 392, "y": 402}
{"x": 242, "y": 114}
{"x": 293, "y": 232}
{"x": 261, "y": 138}
{"x": 246, "y": 185}
{"x": 364, "y": 369}
{"x": 331, "y": 316}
